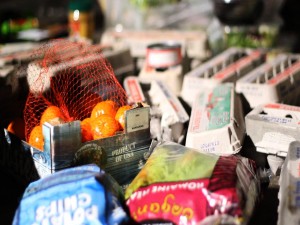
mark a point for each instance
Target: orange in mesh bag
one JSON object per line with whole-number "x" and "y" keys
{"x": 72, "y": 77}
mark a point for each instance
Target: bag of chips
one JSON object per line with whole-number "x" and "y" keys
{"x": 180, "y": 185}
{"x": 79, "y": 195}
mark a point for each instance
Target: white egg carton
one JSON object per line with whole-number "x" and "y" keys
{"x": 228, "y": 66}
{"x": 194, "y": 43}
{"x": 289, "y": 191}
{"x": 217, "y": 122}
{"x": 275, "y": 81}
{"x": 133, "y": 90}
{"x": 273, "y": 127}
{"x": 168, "y": 115}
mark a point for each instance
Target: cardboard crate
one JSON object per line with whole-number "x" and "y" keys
{"x": 63, "y": 148}
{"x": 16, "y": 158}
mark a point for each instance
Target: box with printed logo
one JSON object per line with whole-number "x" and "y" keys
{"x": 63, "y": 148}
{"x": 217, "y": 122}
{"x": 272, "y": 127}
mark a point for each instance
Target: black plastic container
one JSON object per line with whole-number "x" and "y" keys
{"x": 238, "y": 12}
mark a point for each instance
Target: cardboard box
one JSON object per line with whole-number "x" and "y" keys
{"x": 168, "y": 116}
{"x": 194, "y": 43}
{"x": 16, "y": 158}
{"x": 217, "y": 121}
{"x": 272, "y": 127}
{"x": 172, "y": 77}
{"x": 228, "y": 66}
{"x": 276, "y": 81}
{"x": 63, "y": 148}
{"x": 133, "y": 90}
{"x": 289, "y": 192}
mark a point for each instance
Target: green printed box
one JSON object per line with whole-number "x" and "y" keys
{"x": 217, "y": 124}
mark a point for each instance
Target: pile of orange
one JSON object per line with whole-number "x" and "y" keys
{"x": 51, "y": 114}
{"x": 120, "y": 115}
{"x": 106, "y": 120}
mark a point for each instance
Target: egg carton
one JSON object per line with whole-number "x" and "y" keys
{"x": 273, "y": 127}
{"x": 289, "y": 191}
{"x": 168, "y": 116}
{"x": 134, "y": 90}
{"x": 228, "y": 66}
{"x": 193, "y": 42}
{"x": 217, "y": 121}
{"x": 275, "y": 81}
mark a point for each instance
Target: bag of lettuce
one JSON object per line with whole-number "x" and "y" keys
{"x": 181, "y": 185}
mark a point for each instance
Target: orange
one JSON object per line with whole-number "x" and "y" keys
{"x": 36, "y": 138}
{"x": 87, "y": 103}
{"x": 51, "y": 113}
{"x": 120, "y": 115}
{"x": 17, "y": 127}
{"x": 105, "y": 107}
{"x": 86, "y": 130}
{"x": 104, "y": 126}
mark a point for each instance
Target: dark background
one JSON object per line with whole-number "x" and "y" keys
{"x": 48, "y": 13}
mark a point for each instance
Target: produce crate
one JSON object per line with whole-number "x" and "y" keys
{"x": 63, "y": 148}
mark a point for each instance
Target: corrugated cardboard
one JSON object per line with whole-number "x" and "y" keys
{"x": 63, "y": 144}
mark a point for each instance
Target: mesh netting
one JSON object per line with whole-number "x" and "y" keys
{"x": 72, "y": 76}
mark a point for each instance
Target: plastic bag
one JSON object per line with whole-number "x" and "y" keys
{"x": 80, "y": 195}
{"x": 180, "y": 185}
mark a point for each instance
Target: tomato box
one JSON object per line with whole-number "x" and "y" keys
{"x": 63, "y": 148}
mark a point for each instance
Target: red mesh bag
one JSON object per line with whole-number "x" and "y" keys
{"x": 72, "y": 76}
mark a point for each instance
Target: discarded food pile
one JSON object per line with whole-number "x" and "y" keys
{"x": 170, "y": 156}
